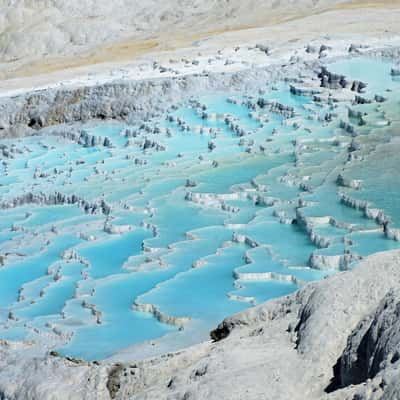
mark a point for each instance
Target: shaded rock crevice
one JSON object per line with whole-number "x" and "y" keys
{"x": 373, "y": 345}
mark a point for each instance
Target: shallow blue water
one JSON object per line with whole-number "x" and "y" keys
{"x": 213, "y": 229}
{"x": 14, "y": 276}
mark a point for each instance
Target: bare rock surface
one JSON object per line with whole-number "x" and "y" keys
{"x": 373, "y": 346}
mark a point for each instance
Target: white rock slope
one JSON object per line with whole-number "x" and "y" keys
{"x": 36, "y": 28}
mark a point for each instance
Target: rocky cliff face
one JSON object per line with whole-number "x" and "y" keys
{"x": 122, "y": 100}
{"x": 374, "y": 346}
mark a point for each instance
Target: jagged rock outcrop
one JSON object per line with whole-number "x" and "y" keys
{"x": 57, "y": 198}
{"x": 130, "y": 101}
{"x": 346, "y": 182}
{"x": 349, "y": 128}
{"x": 338, "y": 262}
{"x": 159, "y": 315}
{"x": 375, "y": 214}
{"x": 276, "y": 107}
{"x": 303, "y": 91}
{"x": 331, "y": 80}
{"x": 395, "y": 72}
{"x": 81, "y": 137}
{"x": 373, "y": 345}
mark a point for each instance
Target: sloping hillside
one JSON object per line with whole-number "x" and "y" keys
{"x": 38, "y": 28}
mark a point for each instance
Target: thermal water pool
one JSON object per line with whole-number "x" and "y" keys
{"x": 177, "y": 222}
